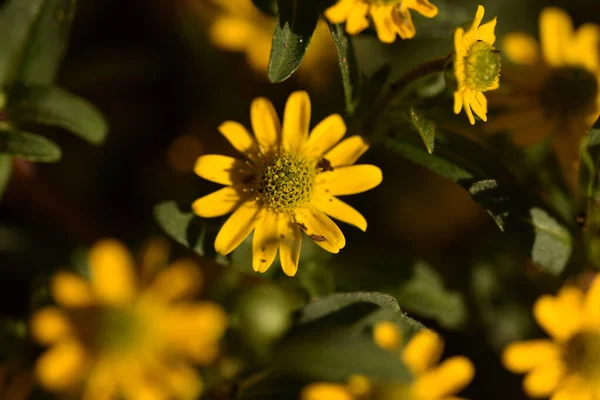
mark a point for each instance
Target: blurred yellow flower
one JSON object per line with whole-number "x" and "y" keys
{"x": 566, "y": 366}
{"x": 421, "y": 355}
{"x": 554, "y": 85}
{"x": 476, "y": 66}
{"x": 286, "y": 184}
{"x": 391, "y": 17}
{"x": 15, "y": 385}
{"x": 114, "y": 337}
{"x": 239, "y": 26}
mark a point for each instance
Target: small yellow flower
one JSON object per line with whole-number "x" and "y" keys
{"x": 287, "y": 183}
{"x": 391, "y": 17}
{"x": 113, "y": 337}
{"x": 566, "y": 366}
{"x": 421, "y": 355}
{"x": 554, "y": 85}
{"x": 476, "y": 66}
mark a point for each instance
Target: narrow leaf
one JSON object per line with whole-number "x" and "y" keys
{"x": 50, "y": 105}
{"x": 5, "y": 170}
{"x": 294, "y": 30}
{"x": 425, "y": 128}
{"x": 28, "y": 146}
{"x": 348, "y": 66}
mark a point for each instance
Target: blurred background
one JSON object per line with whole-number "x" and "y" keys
{"x": 165, "y": 79}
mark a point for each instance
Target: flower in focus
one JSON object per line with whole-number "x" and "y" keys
{"x": 476, "y": 66}
{"x": 421, "y": 355}
{"x": 115, "y": 337}
{"x": 239, "y": 26}
{"x": 554, "y": 85}
{"x": 287, "y": 183}
{"x": 391, "y": 17}
{"x": 566, "y": 366}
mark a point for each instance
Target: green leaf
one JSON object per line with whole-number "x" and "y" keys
{"x": 5, "y": 170}
{"x": 28, "y": 146}
{"x": 50, "y": 105}
{"x": 492, "y": 186}
{"x": 348, "y": 66}
{"x": 425, "y": 128}
{"x": 295, "y": 26}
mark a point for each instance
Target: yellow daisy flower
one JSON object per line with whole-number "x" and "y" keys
{"x": 476, "y": 66}
{"x": 554, "y": 85}
{"x": 113, "y": 337}
{"x": 391, "y": 17}
{"x": 287, "y": 183}
{"x": 421, "y": 355}
{"x": 239, "y": 26}
{"x": 566, "y": 366}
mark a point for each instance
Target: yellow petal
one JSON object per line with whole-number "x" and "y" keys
{"x": 237, "y": 227}
{"x": 183, "y": 279}
{"x": 296, "y": 121}
{"x": 478, "y": 108}
{"x": 458, "y": 102}
{"x": 450, "y": 377}
{"x": 560, "y": 316}
{"x": 325, "y": 391}
{"x": 101, "y": 383}
{"x": 347, "y": 152}
{"x": 521, "y": 357}
{"x": 423, "y": 351}
{"x": 183, "y": 382}
{"x": 585, "y": 47}
{"x": 478, "y": 17}
{"x": 69, "y": 290}
{"x": 49, "y": 325}
{"x": 543, "y": 379}
{"x": 339, "y": 210}
{"x": 592, "y": 302}
{"x": 240, "y": 138}
{"x": 387, "y": 335}
{"x": 459, "y": 47}
{"x": 338, "y": 12}
{"x": 556, "y": 30}
{"x": 382, "y": 17}
{"x": 574, "y": 391}
{"x": 61, "y": 367}
{"x": 112, "y": 272}
{"x": 265, "y": 124}
{"x": 221, "y": 169}
{"x": 325, "y": 135}
{"x": 425, "y": 8}
{"x": 359, "y": 386}
{"x": 349, "y": 180}
{"x": 357, "y": 21}
{"x": 486, "y": 31}
{"x": 291, "y": 244}
{"x": 231, "y": 33}
{"x": 153, "y": 257}
{"x": 219, "y": 203}
{"x": 322, "y": 230}
{"x": 403, "y": 23}
{"x": 521, "y": 48}
{"x": 265, "y": 241}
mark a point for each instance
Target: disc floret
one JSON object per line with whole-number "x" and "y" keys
{"x": 482, "y": 66}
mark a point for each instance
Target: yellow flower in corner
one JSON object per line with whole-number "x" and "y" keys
{"x": 421, "y": 355}
{"x": 476, "y": 66}
{"x": 554, "y": 86}
{"x": 566, "y": 366}
{"x": 391, "y": 17}
{"x": 287, "y": 183}
{"x": 114, "y": 337}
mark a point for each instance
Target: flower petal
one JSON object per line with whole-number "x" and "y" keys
{"x": 478, "y": 17}
{"x": 339, "y": 210}
{"x": 325, "y": 135}
{"x": 183, "y": 279}
{"x": 265, "y": 124}
{"x": 325, "y": 391}
{"x": 544, "y": 379}
{"x": 49, "y": 325}
{"x": 520, "y": 357}
{"x": 322, "y": 230}
{"x": 425, "y": 8}
{"x": 478, "y": 106}
{"x": 61, "y": 367}
{"x": 101, "y": 384}
{"x": 458, "y": 102}
{"x": 112, "y": 272}
{"x": 219, "y": 203}
{"x": 237, "y": 227}
{"x": 349, "y": 180}
{"x": 467, "y": 100}
{"x": 240, "y": 138}
{"x": 357, "y": 21}
{"x": 387, "y": 335}
{"x": 585, "y": 46}
{"x": 450, "y": 377}
{"x": 347, "y": 152}
{"x": 338, "y": 12}
{"x": 560, "y": 316}
{"x": 423, "y": 351}
{"x": 296, "y": 121}
{"x": 556, "y": 29}
{"x": 291, "y": 244}
{"x": 384, "y": 25}
{"x": 592, "y": 302}
{"x": 70, "y": 290}
{"x": 486, "y": 31}
{"x": 521, "y": 48}
{"x": 265, "y": 242}
{"x": 404, "y": 24}
{"x": 231, "y": 33}
{"x": 221, "y": 169}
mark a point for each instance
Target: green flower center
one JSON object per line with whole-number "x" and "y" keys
{"x": 568, "y": 91}
{"x": 482, "y": 66}
{"x": 118, "y": 329}
{"x": 582, "y": 354}
{"x": 286, "y": 181}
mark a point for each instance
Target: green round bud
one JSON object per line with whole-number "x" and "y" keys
{"x": 482, "y": 66}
